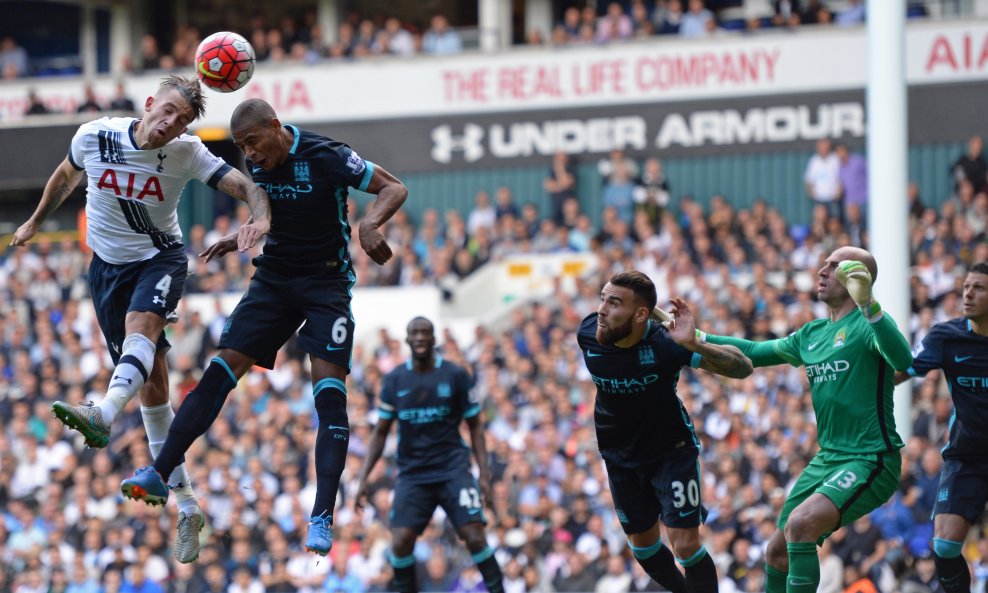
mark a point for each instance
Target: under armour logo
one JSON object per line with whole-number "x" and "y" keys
{"x": 118, "y": 377}
{"x": 158, "y": 301}
{"x": 161, "y": 160}
{"x": 444, "y": 143}
{"x": 115, "y": 346}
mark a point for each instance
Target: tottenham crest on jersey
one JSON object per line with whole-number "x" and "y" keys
{"x": 840, "y": 338}
{"x": 302, "y": 171}
{"x": 646, "y": 356}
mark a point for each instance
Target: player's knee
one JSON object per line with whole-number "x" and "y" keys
{"x": 402, "y": 543}
{"x": 685, "y": 543}
{"x": 946, "y": 548}
{"x": 140, "y": 350}
{"x": 777, "y": 557}
{"x": 801, "y": 528}
{"x": 474, "y": 539}
{"x": 331, "y": 402}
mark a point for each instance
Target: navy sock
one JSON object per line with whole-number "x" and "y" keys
{"x": 489, "y": 568}
{"x": 403, "y": 580}
{"x": 195, "y": 415}
{"x": 701, "y": 572}
{"x": 660, "y": 564}
{"x": 954, "y": 575}
{"x": 332, "y": 440}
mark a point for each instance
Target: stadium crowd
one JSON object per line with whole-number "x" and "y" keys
{"x": 299, "y": 37}
{"x": 65, "y": 527}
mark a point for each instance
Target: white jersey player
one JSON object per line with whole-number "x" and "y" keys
{"x": 133, "y": 194}
{"x": 136, "y": 170}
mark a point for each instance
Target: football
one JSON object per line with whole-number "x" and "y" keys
{"x": 224, "y": 61}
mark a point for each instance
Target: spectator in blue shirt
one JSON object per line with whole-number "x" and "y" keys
{"x": 440, "y": 38}
{"x": 895, "y": 518}
{"x": 81, "y": 583}
{"x": 694, "y": 21}
{"x": 928, "y": 481}
{"x": 13, "y": 59}
{"x": 339, "y": 579}
{"x": 854, "y": 15}
{"x": 137, "y": 583}
{"x": 853, "y": 179}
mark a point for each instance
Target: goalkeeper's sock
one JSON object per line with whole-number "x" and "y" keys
{"x": 775, "y": 580}
{"x": 804, "y": 568}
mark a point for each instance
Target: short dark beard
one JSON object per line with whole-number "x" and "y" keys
{"x": 612, "y": 335}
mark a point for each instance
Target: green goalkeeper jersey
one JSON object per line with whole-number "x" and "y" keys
{"x": 850, "y": 365}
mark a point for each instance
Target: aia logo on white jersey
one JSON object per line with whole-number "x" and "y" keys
{"x": 151, "y": 187}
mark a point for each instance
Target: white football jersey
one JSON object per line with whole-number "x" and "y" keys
{"x": 132, "y": 194}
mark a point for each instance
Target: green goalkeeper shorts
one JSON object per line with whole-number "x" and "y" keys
{"x": 856, "y": 485}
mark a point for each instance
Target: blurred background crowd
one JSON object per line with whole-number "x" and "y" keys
{"x": 299, "y": 37}
{"x": 65, "y": 527}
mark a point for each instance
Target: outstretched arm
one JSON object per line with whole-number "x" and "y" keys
{"x": 59, "y": 186}
{"x": 391, "y": 194}
{"x": 892, "y": 345}
{"x": 374, "y": 451}
{"x": 762, "y": 354}
{"x": 479, "y": 445}
{"x": 722, "y": 360}
{"x": 244, "y": 189}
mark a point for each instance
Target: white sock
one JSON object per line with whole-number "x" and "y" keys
{"x": 157, "y": 419}
{"x": 133, "y": 368}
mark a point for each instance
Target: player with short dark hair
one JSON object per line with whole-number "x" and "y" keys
{"x": 959, "y": 348}
{"x": 136, "y": 170}
{"x": 429, "y": 397}
{"x": 644, "y": 433}
{"x": 849, "y": 360}
{"x": 304, "y": 277}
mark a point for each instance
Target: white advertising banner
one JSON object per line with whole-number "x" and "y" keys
{"x": 657, "y": 70}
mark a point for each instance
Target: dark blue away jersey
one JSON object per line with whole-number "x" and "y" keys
{"x": 638, "y": 415}
{"x": 308, "y": 200}
{"x": 963, "y": 355}
{"x": 429, "y": 408}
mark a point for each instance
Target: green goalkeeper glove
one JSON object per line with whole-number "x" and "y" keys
{"x": 856, "y": 277}
{"x": 662, "y": 317}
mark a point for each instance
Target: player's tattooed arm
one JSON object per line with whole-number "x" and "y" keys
{"x": 59, "y": 186}
{"x": 728, "y": 361}
{"x": 724, "y": 360}
{"x": 240, "y": 186}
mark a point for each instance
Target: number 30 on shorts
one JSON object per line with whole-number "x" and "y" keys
{"x": 681, "y": 493}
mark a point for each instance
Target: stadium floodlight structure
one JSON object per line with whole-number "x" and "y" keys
{"x": 887, "y": 174}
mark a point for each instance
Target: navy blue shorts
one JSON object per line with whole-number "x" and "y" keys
{"x": 963, "y": 489}
{"x": 276, "y": 304}
{"x": 414, "y": 502}
{"x": 154, "y": 285}
{"x": 668, "y": 489}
